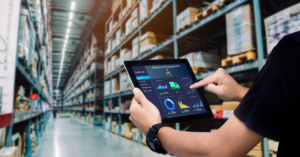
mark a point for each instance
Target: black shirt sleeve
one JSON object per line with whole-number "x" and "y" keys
{"x": 272, "y": 100}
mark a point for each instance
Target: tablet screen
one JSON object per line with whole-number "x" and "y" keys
{"x": 168, "y": 88}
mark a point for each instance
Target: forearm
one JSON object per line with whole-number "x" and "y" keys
{"x": 185, "y": 144}
{"x": 243, "y": 92}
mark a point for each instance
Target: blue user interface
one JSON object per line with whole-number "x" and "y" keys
{"x": 168, "y": 88}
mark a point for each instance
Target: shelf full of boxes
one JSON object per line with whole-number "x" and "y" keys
{"x": 84, "y": 90}
{"x": 223, "y": 33}
{"x": 27, "y": 99}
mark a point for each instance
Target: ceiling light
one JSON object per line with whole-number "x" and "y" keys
{"x": 67, "y": 36}
{"x": 69, "y": 24}
{"x": 66, "y": 41}
{"x": 71, "y": 16}
{"x": 68, "y": 30}
{"x": 73, "y": 5}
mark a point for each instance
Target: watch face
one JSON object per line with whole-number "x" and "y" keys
{"x": 150, "y": 144}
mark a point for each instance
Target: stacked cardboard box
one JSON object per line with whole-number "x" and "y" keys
{"x": 135, "y": 48}
{"x": 125, "y": 82}
{"x": 114, "y": 85}
{"x": 107, "y": 87}
{"x": 9, "y": 152}
{"x": 280, "y": 24}
{"x": 240, "y": 30}
{"x": 135, "y": 18}
{"x": 21, "y": 103}
{"x": 26, "y": 36}
{"x": 125, "y": 105}
{"x": 203, "y": 60}
{"x": 150, "y": 40}
{"x": 123, "y": 56}
{"x": 273, "y": 147}
{"x": 161, "y": 57}
{"x": 126, "y": 129}
{"x": 135, "y": 134}
{"x": 145, "y": 6}
{"x": 256, "y": 151}
{"x": 155, "y": 5}
{"x": 187, "y": 17}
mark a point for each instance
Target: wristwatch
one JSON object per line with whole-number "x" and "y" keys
{"x": 152, "y": 139}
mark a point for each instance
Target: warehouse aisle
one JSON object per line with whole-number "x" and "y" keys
{"x": 67, "y": 137}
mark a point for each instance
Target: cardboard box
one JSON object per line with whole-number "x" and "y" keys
{"x": 9, "y": 152}
{"x": 187, "y": 17}
{"x": 161, "y": 57}
{"x": 145, "y": 6}
{"x": 107, "y": 87}
{"x": 134, "y": 24}
{"x": 122, "y": 55}
{"x": 150, "y": 40}
{"x": 128, "y": 26}
{"x": 115, "y": 85}
{"x": 155, "y": 5}
{"x": 240, "y": 30}
{"x": 280, "y": 24}
{"x": 128, "y": 56}
{"x": 203, "y": 60}
{"x": 135, "y": 47}
{"x": 130, "y": 3}
{"x": 125, "y": 82}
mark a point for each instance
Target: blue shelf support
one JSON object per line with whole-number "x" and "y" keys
{"x": 119, "y": 115}
{"x": 36, "y": 130}
{"x": 41, "y": 130}
{"x": 259, "y": 33}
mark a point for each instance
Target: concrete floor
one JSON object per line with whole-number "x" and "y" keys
{"x": 67, "y": 137}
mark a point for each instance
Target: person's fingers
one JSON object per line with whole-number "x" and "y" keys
{"x": 212, "y": 88}
{"x": 214, "y": 78}
{"x": 134, "y": 106}
{"x": 140, "y": 97}
{"x": 210, "y": 79}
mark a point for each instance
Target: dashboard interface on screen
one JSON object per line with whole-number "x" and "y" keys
{"x": 168, "y": 88}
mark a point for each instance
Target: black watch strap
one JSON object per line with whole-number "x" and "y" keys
{"x": 152, "y": 135}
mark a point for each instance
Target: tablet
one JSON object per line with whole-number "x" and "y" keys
{"x": 166, "y": 83}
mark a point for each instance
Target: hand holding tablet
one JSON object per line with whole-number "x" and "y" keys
{"x": 166, "y": 84}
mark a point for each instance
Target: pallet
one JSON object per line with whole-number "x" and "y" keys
{"x": 161, "y": 4}
{"x": 207, "y": 11}
{"x": 200, "y": 69}
{"x": 238, "y": 59}
{"x": 144, "y": 143}
{"x": 184, "y": 27}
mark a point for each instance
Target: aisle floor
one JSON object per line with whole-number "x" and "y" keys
{"x": 68, "y": 137}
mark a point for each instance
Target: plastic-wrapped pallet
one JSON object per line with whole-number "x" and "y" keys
{"x": 203, "y": 60}
{"x": 128, "y": 56}
{"x": 126, "y": 127}
{"x": 115, "y": 85}
{"x": 155, "y": 5}
{"x": 240, "y": 30}
{"x": 125, "y": 83}
{"x": 128, "y": 26}
{"x": 280, "y": 24}
{"x": 145, "y": 6}
{"x": 107, "y": 87}
{"x": 150, "y": 40}
{"x": 105, "y": 66}
{"x": 114, "y": 62}
{"x": 136, "y": 133}
{"x": 134, "y": 18}
{"x": 118, "y": 37}
{"x": 130, "y": 3}
{"x": 135, "y": 48}
{"x": 20, "y": 101}
{"x": 122, "y": 55}
{"x": 187, "y": 17}
{"x": 26, "y": 37}
{"x": 109, "y": 67}
{"x": 161, "y": 57}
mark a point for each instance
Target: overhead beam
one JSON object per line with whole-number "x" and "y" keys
{"x": 62, "y": 39}
{"x": 77, "y": 15}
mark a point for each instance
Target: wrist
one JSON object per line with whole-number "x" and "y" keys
{"x": 242, "y": 94}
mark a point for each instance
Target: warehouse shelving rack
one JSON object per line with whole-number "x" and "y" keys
{"x": 174, "y": 39}
{"x": 19, "y": 73}
{"x": 97, "y": 76}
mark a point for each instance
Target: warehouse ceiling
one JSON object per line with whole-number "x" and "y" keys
{"x": 72, "y": 24}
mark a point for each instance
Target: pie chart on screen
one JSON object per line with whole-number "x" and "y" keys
{"x": 168, "y": 103}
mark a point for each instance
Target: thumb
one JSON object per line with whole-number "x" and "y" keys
{"x": 140, "y": 97}
{"x": 212, "y": 88}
